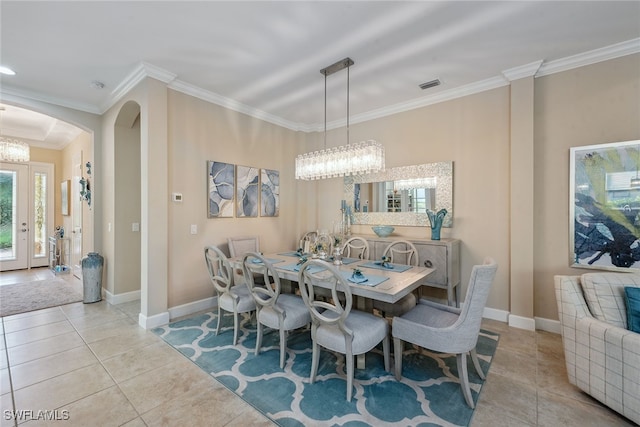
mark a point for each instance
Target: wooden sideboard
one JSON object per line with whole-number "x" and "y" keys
{"x": 443, "y": 255}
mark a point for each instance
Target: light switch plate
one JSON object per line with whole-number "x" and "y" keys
{"x": 194, "y": 229}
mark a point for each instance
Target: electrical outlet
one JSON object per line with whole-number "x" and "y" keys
{"x": 135, "y": 226}
{"x": 194, "y": 229}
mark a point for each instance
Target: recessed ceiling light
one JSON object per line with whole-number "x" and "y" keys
{"x": 97, "y": 84}
{"x": 6, "y": 70}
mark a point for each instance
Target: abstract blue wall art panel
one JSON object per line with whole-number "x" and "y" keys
{"x": 604, "y": 206}
{"x": 247, "y": 191}
{"x": 270, "y": 193}
{"x": 220, "y": 189}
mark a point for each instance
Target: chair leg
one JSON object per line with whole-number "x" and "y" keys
{"x": 315, "y": 356}
{"x": 397, "y": 355}
{"x": 476, "y": 363}
{"x": 386, "y": 350}
{"x": 349, "y": 358}
{"x": 464, "y": 379}
{"x": 236, "y": 321}
{"x": 219, "y": 319}
{"x": 283, "y": 346}
{"x": 258, "y": 338}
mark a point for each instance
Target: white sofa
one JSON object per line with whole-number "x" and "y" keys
{"x": 602, "y": 356}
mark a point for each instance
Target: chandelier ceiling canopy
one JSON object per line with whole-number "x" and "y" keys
{"x": 351, "y": 159}
{"x": 12, "y": 150}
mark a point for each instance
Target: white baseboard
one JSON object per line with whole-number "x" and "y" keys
{"x": 154, "y": 321}
{"x": 494, "y": 314}
{"x": 520, "y": 322}
{"x": 192, "y": 307}
{"x": 122, "y": 298}
{"x": 548, "y": 325}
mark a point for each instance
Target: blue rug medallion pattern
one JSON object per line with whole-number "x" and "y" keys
{"x": 428, "y": 395}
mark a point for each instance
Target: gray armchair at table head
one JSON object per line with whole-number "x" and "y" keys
{"x": 233, "y": 298}
{"x": 399, "y": 252}
{"x": 334, "y": 325}
{"x": 284, "y": 312}
{"x": 447, "y": 329}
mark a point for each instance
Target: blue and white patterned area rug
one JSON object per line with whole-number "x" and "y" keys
{"x": 429, "y": 393}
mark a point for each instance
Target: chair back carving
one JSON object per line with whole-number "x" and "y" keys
{"x": 265, "y": 294}
{"x": 220, "y": 269}
{"x": 402, "y": 252}
{"x": 328, "y": 312}
{"x": 356, "y": 247}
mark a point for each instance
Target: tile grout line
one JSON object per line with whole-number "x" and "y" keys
{"x": 6, "y": 352}
{"x": 103, "y": 367}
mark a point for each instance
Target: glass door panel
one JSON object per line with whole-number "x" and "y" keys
{"x": 14, "y": 230}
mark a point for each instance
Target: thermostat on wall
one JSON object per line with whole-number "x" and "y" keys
{"x": 176, "y": 197}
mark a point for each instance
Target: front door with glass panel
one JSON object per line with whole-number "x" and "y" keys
{"x": 14, "y": 216}
{"x": 26, "y": 214}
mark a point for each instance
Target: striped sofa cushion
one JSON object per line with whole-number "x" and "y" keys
{"x": 604, "y": 293}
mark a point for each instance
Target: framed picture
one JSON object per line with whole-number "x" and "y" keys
{"x": 246, "y": 192}
{"x": 220, "y": 189}
{"x": 64, "y": 196}
{"x": 604, "y": 206}
{"x": 269, "y": 192}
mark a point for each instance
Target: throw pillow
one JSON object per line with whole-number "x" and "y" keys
{"x": 604, "y": 294}
{"x": 632, "y": 299}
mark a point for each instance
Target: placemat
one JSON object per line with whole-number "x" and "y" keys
{"x": 372, "y": 279}
{"x": 398, "y": 268}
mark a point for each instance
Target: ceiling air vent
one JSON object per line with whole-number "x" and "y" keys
{"x": 432, "y": 83}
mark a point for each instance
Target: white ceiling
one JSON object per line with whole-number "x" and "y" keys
{"x": 264, "y": 57}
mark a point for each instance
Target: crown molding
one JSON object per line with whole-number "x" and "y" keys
{"x": 9, "y": 91}
{"x": 447, "y": 95}
{"x": 234, "y": 105}
{"x": 527, "y": 70}
{"x": 142, "y": 71}
{"x": 617, "y": 50}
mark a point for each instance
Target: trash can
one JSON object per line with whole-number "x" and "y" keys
{"x": 92, "y": 266}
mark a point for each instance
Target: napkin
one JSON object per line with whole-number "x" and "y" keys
{"x": 357, "y": 277}
{"x": 385, "y": 263}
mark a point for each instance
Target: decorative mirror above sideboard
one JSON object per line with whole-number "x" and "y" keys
{"x": 401, "y": 195}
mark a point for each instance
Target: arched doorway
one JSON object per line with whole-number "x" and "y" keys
{"x": 127, "y": 205}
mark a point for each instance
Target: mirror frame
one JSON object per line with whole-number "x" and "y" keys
{"x": 444, "y": 194}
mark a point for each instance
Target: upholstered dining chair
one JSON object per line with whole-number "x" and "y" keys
{"x": 238, "y": 246}
{"x": 232, "y": 298}
{"x": 447, "y": 329}
{"x": 356, "y": 247}
{"x": 284, "y": 312}
{"x": 334, "y": 325}
{"x": 399, "y": 252}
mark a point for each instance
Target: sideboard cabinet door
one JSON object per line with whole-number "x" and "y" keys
{"x": 443, "y": 255}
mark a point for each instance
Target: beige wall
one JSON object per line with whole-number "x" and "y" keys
{"x": 83, "y": 145}
{"x": 201, "y": 131}
{"x": 127, "y": 205}
{"x": 473, "y": 132}
{"x": 596, "y": 104}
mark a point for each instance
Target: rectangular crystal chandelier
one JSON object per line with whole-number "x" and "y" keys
{"x": 351, "y": 159}
{"x": 12, "y": 150}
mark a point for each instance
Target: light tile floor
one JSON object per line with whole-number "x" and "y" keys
{"x": 92, "y": 364}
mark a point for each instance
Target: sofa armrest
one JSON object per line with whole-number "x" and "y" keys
{"x": 602, "y": 359}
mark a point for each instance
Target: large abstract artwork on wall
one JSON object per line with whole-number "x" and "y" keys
{"x": 604, "y": 206}
{"x": 220, "y": 189}
{"x": 247, "y": 191}
{"x": 270, "y": 193}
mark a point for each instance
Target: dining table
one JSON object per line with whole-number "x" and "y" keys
{"x": 384, "y": 281}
